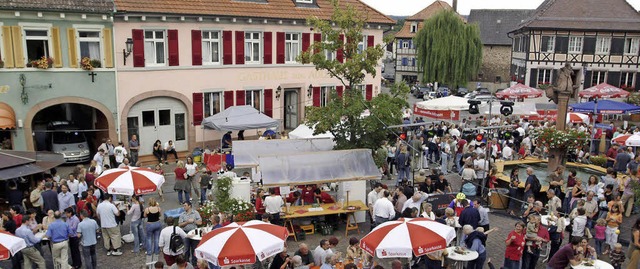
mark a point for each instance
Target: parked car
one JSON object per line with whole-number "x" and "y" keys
{"x": 482, "y": 91}
{"x": 65, "y": 138}
{"x": 419, "y": 92}
{"x": 443, "y": 91}
{"x": 430, "y": 96}
{"x": 461, "y": 91}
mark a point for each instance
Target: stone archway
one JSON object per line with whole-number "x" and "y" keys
{"x": 28, "y": 128}
{"x": 191, "y": 133}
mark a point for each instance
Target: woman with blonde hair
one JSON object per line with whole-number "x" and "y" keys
{"x": 182, "y": 185}
{"x": 427, "y": 211}
{"x": 158, "y": 170}
{"x": 154, "y": 226}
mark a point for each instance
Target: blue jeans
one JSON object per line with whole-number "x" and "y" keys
{"x": 511, "y": 264}
{"x": 138, "y": 234}
{"x": 479, "y": 262}
{"x": 188, "y": 197}
{"x": 89, "y": 256}
{"x": 444, "y": 158}
{"x": 403, "y": 173}
{"x": 203, "y": 195}
{"x": 599, "y": 244}
{"x": 153, "y": 237}
{"x": 189, "y": 248}
{"x": 458, "y": 165}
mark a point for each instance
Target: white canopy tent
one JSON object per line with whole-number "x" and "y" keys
{"x": 318, "y": 167}
{"x": 519, "y": 108}
{"x": 451, "y": 102}
{"x": 238, "y": 118}
{"x": 303, "y": 132}
{"x": 247, "y": 152}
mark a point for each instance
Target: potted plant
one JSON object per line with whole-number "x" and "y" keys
{"x": 565, "y": 140}
{"x": 42, "y": 63}
{"x": 599, "y": 160}
{"x": 85, "y": 64}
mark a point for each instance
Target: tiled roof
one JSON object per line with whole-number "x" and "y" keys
{"x": 494, "y": 24}
{"x": 90, "y": 6}
{"x": 609, "y": 15}
{"x": 274, "y": 9}
{"x": 421, "y": 16}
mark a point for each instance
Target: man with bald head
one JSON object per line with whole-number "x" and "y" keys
{"x": 305, "y": 255}
{"x": 415, "y": 201}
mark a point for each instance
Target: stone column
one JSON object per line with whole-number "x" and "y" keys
{"x": 557, "y": 156}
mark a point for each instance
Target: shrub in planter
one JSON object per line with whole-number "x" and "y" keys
{"x": 600, "y": 160}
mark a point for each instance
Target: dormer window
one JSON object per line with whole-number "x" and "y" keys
{"x": 414, "y": 27}
{"x": 304, "y": 1}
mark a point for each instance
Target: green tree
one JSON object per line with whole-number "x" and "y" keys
{"x": 342, "y": 116}
{"x": 449, "y": 50}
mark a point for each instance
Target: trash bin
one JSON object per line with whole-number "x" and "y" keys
{"x": 499, "y": 198}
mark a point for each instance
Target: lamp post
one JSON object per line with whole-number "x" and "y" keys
{"x": 127, "y": 50}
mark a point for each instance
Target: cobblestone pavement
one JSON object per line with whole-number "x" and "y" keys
{"x": 495, "y": 242}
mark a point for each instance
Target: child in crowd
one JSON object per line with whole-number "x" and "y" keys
{"x": 617, "y": 256}
{"x": 601, "y": 226}
{"x": 532, "y": 231}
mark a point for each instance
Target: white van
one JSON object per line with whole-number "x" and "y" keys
{"x": 65, "y": 138}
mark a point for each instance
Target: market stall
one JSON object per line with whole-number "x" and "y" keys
{"x": 246, "y": 152}
{"x": 446, "y": 108}
{"x": 303, "y": 132}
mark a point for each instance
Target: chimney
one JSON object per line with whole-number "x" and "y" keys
{"x": 454, "y": 5}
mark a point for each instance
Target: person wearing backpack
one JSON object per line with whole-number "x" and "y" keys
{"x": 172, "y": 241}
{"x": 532, "y": 185}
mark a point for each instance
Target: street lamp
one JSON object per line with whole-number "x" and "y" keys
{"x": 309, "y": 90}
{"x": 127, "y": 51}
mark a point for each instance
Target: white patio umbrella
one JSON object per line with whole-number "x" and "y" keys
{"x": 129, "y": 181}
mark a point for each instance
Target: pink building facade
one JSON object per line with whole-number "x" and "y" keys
{"x": 184, "y": 68}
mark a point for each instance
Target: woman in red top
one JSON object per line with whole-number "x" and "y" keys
{"x": 493, "y": 179}
{"x": 182, "y": 186}
{"x": 259, "y": 204}
{"x": 515, "y": 246}
{"x": 15, "y": 214}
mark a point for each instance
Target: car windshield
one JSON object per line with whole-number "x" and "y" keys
{"x": 68, "y": 137}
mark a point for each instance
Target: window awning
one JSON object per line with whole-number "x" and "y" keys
{"x": 7, "y": 117}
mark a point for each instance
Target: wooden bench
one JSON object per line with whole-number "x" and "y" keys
{"x": 150, "y": 160}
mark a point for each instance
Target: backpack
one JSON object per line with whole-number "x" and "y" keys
{"x": 176, "y": 244}
{"x": 535, "y": 185}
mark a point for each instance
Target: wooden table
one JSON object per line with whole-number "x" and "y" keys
{"x": 327, "y": 209}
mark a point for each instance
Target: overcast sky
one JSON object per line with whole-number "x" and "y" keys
{"x": 410, "y": 7}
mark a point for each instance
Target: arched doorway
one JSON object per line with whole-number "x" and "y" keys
{"x": 159, "y": 118}
{"x": 88, "y": 117}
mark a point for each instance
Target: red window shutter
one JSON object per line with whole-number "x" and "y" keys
{"x": 240, "y": 98}
{"x": 138, "y": 47}
{"x": 340, "y": 52}
{"x": 174, "y": 57}
{"x": 268, "y": 50}
{"x": 268, "y": 102}
{"x": 198, "y": 113}
{"x": 316, "y": 96}
{"x": 228, "y": 99}
{"x": 239, "y": 47}
{"x": 369, "y": 92}
{"x": 227, "y": 47}
{"x": 280, "y": 47}
{"x": 370, "y": 41}
{"x": 306, "y": 41}
{"x": 317, "y": 37}
{"x": 339, "y": 90}
{"x": 196, "y": 47}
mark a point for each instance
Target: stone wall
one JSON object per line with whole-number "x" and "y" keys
{"x": 496, "y": 61}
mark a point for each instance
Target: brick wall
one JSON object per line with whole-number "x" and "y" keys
{"x": 496, "y": 61}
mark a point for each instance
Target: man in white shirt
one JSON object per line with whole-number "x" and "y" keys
{"x": 107, "y": 213}
{"x": 73, "y": 184}
{"x": 169, "y": 147}
{"x": 481, "y": 166}
{"x": 273, "y": 206}
{"x": 507, "y": 152}
{"x": 320, "y": 252}
{"x": 120, "y": 152}
{"x": 383, "y": 209}
{"x": 454, "y": 132}
{"x": 373, "y": 196}
{"x": 165, "y": 239}
{"x": 99, "y": 158}
{"x": 415, "y": 201}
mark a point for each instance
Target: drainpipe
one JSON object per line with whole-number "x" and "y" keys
{"x": 118, "y": 116}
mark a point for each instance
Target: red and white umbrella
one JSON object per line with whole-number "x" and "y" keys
{"x": 628, "y": 140}
{"x": 574, "y": 117}
{"x": 241, "y": 242}
{"x": 406, "y": 236}
{"x": 603, "y": 90}
{"x": 519, "y": 91}
{"x": 129, "y": 181}
{"x": 10, "y": 245}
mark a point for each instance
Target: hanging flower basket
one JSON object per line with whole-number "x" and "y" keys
{"x": 42, "y": 63}
{"x": 569, "y": 139}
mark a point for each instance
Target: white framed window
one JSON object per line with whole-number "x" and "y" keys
{"x": 155, "y": 47}
{"x": 627, "y": 79}
{"x": 544, "y": 76}
{"x": 603, "y": 45}
{"x": 253, "y": 98}
{"x": 213, "y": 103}
{"x": 548, "y": 44}
{"x": 211, "y": 45}
{"x": 305, "y": 1}
{"x": 362, "y": 45}
{"x": 37, "y": 43}
{"x": 90, "y": 44}
{"x": 598, "y": 77}
{"x": 252, "y": 47}
{"x": 291, "y": 47}
{"x": 329, "y": 54}
{"x": 575, "y": 44}
{"x": 325, "y": 92}
{"x": 414, "y": 27}
{"x": 631, "y": 45}
{"x": 405, "y": 44}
